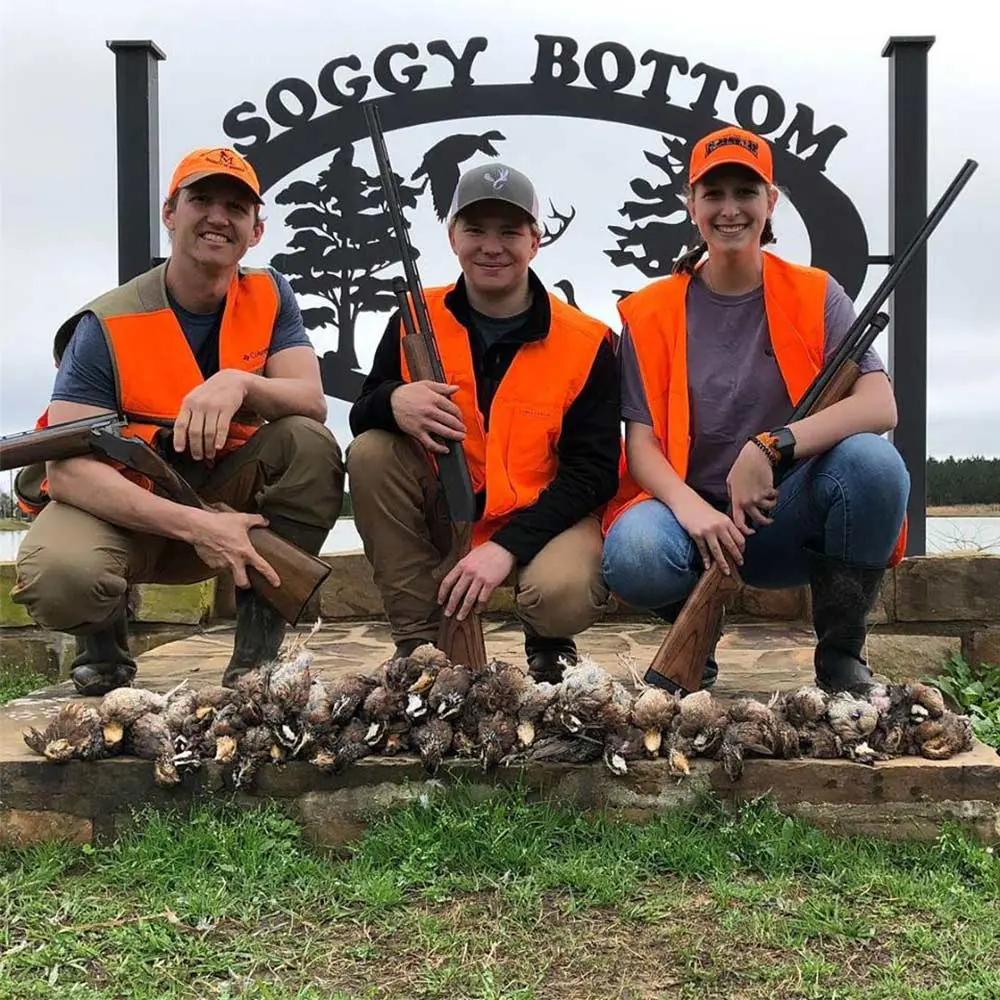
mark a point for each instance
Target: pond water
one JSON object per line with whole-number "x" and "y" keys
{"x": 943, "y": 534}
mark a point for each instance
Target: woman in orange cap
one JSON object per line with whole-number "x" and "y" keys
{"x": 713, "y": 359}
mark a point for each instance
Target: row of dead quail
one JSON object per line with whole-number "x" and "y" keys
{"x": 425, "y": 706}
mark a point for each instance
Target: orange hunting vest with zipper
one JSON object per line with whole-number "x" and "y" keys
{"x": 516, "y": 459}
{"x": 794, "y": 302}
{"x": 150, "y": 385}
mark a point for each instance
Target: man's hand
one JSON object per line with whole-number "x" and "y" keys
{"x": 750, "y": 484}
{"x": 474, "y": 578}
{"x": 222, "y": 541}
{"x": 206, "y": 413}
{"x": 713, "y": 532}
{"x": 424, "y": 408}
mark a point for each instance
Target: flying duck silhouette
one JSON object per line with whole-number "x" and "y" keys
{"x": 440, "y": 165}
{"x": 566, "y": 287}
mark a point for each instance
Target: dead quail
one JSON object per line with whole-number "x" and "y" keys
{"x": 926, "y": 702}
{"x": 499, "y": 689}
{"x": 653, "y": 712}
{"x": 535, "y": 701}
{"x": 750, "y": 737}
{"x": 699, "y": 726}
{"x": 383, "y": 706}
{"x": 432, "y": 741}
{"x": 944, "y": 736}
{"x": 497, "y": 736}
{"x": 400, "y": 672}
{"x": 287, "y": 693}
{"x": 73, "y": 732}
{"x": 347, "y": 695}
{"x": 254, "y": 747}
{"x": 584, "y": 692}
{"x": 623, "y": 746}
{"x": 850, "y": 717}
{"x": 352, "y": 745}
{"x": 149, "y": 739}
{"x": 818, "y": 740}
{"x": 431, "y": 661}
{"x": 447, "y": 694}
{"x": 804, "y": 706}
{"x": 121, "y": 707}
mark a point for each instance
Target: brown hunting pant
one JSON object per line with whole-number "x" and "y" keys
{"x": 400, "y": 513}
{"x": 73, "y": 569}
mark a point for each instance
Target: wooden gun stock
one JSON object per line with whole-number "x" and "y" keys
{"x": 301, "y": 573}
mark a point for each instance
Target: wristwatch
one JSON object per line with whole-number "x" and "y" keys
{"x": 781, "y": 444}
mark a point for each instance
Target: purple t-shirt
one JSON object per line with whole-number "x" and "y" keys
{"x": 735, "y": 388}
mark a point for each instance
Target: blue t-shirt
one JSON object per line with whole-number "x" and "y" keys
{"x": 85, "y": 373}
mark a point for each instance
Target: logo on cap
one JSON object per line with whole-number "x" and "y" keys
{"x": 732, "y": 140}
{"x": 226, "y": 159}
{"x": 501, "y": 178}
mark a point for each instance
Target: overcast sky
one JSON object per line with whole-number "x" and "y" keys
{"x": 58, "y": 214}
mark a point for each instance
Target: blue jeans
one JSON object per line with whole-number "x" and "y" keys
{"x": 848, "y": 503}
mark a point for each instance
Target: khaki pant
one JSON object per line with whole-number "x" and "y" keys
{"x": 400, "y": 513}
{"x": 73, "y": 569}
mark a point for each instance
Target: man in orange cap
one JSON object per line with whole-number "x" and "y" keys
{"x": 210, "y": 363}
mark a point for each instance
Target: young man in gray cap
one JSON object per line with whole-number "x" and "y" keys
{"x": 531, "y": 391}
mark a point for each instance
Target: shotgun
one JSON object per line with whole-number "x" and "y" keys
{"x": 461, "y": 641}
{"x": 680, "y": 661}
{"x": 301, "y": 573}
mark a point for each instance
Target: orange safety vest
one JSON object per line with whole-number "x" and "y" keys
{"x": 794, "y": 301}
{"x": 517, "y": 459}
{"x": 150, "y": 384}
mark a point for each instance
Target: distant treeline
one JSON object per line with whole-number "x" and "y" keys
{"x": 963, "y": 481}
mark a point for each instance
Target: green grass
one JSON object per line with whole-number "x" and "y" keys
{"x": 973, "y": 691}
{"x": 502, "y": 899}
{"x": 16, "y": 684}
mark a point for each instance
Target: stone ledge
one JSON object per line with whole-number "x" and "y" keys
{"x": 905, "y": 797}
{"x": 948, "y": 595}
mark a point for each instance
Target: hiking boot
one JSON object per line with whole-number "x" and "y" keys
{"x": 260, "y": 629}
{"x": 103, "y": 661}
{"x": 259, "y": 634}
{"x": 843, "y": 594}
{"x": 548, "y": 658}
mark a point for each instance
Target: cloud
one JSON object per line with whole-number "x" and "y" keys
{"x": 58, "y": 215}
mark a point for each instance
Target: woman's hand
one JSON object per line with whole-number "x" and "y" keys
{"x": 713, "y": 532}
{"x": 750, "y": 484}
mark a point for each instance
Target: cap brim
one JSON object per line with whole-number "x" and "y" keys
{"x": 729, "y": 160}
{"x": 493, "y": 197}
{"x": 202, "y": 174}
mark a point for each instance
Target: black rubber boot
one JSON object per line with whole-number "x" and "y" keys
{"x": 547, "y": 658}
{"x": 259, "y": 633}
{"x": 843, "y": 594}
{"x": 260, "y": 629}
{"x": 103, "y": 661}
{"x": 710, "y": 674}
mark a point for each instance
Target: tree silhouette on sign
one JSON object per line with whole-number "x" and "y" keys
{"x": 343, "y": 244}
{"x": 653, "y": 246}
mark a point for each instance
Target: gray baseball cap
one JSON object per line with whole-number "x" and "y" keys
{"x": 494, "y": 182}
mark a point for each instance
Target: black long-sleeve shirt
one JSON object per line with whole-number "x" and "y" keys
{"x": 589, "y": 442}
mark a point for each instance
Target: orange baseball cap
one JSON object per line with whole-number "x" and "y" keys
{"x": 215, "y": 160}
{"x": 731, "y": 145}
